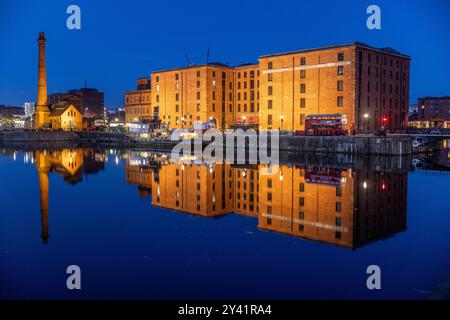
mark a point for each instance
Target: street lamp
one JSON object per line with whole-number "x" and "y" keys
{"x": 243, "y": 118}
{"x": 384, "y": 121}
{"x": 281, "y": 119}
{"x": 366, "y": 117}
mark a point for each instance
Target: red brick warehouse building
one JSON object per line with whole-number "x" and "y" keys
{"x": 433, "y": 112}
{"x": 370, "y": 86}
{"x": 367, "y": 85}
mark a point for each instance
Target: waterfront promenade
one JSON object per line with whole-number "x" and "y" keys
{"x": 397, "y": 145}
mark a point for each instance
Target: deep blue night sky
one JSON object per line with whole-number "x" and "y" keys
{"x": 122, "y": 40}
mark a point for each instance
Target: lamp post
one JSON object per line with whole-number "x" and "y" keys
{"x": 182, "y": 122}
{"x": 212, "y": 120}
{"x": 366, "y": 117}
{"x": 384, "y": 121}
{"x": 243, "y": 119}
{"x": 281, "y": 120}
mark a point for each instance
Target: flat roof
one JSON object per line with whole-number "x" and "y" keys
{"x": 436, "y": 98}
{"x": 250, "y": 64}
{"x": 351, "y": 44}
{"x": 213, "y": 64}
{"x": 138, "y": 90}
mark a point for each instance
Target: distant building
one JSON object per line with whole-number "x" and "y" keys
{"x": 11, "y": 111}
{"x": 138, "y": 102}
{"x": 91, "y": 101}
{"x": 117, "y": 115}
{"x": 433, "y": 112}
{"x": 29, "y": 108}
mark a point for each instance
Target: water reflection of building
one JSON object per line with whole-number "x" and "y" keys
{"x": 139, "y": 171}
{"x": 69, "y": 164}
{"x": 344, "y": 207}
{"x": 380, "y": 205}
{"x": 444, "y": 153}
{"x": 312, "y": 203}
{"x": 93, "y": 161}
{"x": 204, "y": 190}
{"x": 246, "y": 190}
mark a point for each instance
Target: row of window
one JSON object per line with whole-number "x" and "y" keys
{"x": 340, "y": 72}
{"x": 252, "y": 107}
{"x": 340, "y": 57}
{"x": 391, "y": 73}
{"x": 302, "y": 188}
{"x": 252, "y": 95}
{"x": 371, "y": 101}
{"x": 244, "y": 74}
{"x": 138, "y": 99}
{"x": 244, "y": 84}
{"x": 340, "y": 87}
{"x": 138, "y": 110}
{"x": 213, "y": 73}
{"x": 71, "y": 113}
{"x": 391, "y": 103}
{"x": 214, "y": 83}
{"x": 301, "y": 202}
{"x": 385, "y": 60}
{"x": 391, "y": 88}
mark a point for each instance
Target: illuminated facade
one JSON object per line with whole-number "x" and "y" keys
{"x": 41, "y": 115}
{"x": 370, "y": 86}
{"x": 62, "y": 115}
{"x": 66, "y": 117}
{"x": 246, "y": 95}
{"x": 138, "y": 102}
{"x": 203, "y": 94}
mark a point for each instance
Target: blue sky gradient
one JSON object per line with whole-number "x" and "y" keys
{"x": 121, "y": 41}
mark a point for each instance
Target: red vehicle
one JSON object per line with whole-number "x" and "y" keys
{"x": 324, "y": 176}
{"x": 325, "y": 125}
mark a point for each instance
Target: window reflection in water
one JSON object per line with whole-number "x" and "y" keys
{"x": 342, "y": 206}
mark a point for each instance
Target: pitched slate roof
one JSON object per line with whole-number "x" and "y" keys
{"x": 59, "y": 108}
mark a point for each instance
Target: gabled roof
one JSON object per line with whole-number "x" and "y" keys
{"x": 59, "y": 108}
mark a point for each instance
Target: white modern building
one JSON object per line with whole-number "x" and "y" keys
{"x": 29, "y": 107}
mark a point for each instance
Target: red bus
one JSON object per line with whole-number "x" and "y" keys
{"x": 324, "y": 176}
{"x": 325, "y": 125}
